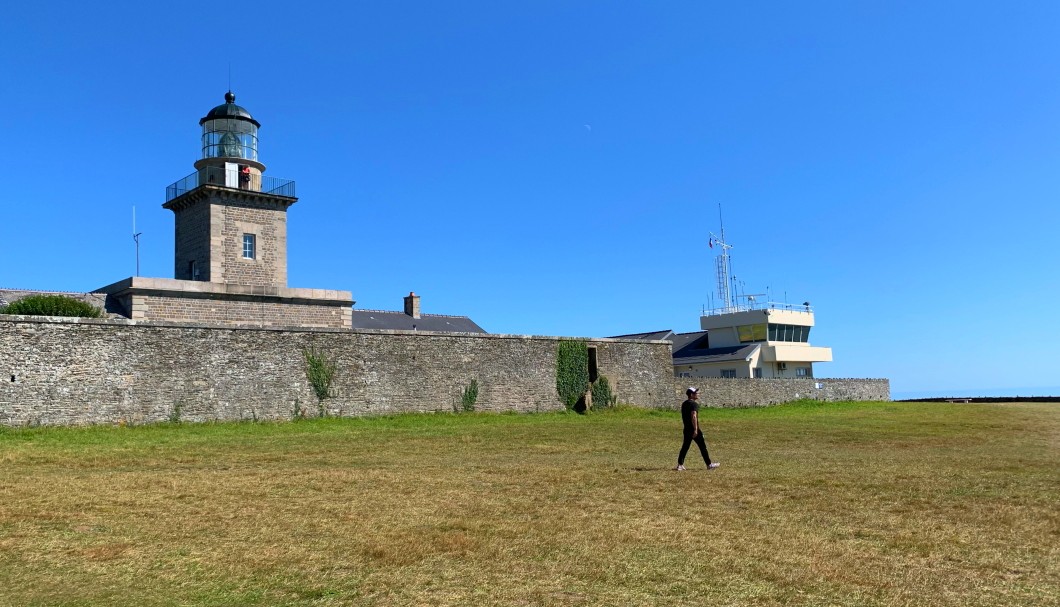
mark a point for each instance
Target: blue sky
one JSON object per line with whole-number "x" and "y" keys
{"x": 554, "y": 168}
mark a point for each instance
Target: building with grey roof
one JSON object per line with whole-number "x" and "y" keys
{"x": 734, "y": 349}
{"x": 410, "y": 319}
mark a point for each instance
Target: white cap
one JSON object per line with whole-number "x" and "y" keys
{"x": 691, "y": 390}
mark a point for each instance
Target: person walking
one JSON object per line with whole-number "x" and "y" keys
{"x": 690, "y": 419}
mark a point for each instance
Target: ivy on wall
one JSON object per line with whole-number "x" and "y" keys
{"x": 602, "y": 395}
{"x": 467, "y": 401}
{"x": 572, "y": 371}
{"x": 320, "y": 371}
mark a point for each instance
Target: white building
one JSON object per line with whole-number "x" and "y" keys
{"x": 772, "y": 341}
{"x": 748, "y": 339}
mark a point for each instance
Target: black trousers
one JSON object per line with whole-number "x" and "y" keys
{"x": 688, "y": 443}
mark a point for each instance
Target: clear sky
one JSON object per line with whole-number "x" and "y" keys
{"x": 554, "y": 168}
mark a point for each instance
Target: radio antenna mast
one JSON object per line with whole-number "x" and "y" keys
{"x": 136, "y": 239}
{"x": 723, "y": 267}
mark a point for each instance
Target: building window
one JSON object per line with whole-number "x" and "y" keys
{"x": 802, "y": 372}
{"x": 751, "y": 333}
{"x": 796, "y": 333}
{"x": 249, "y": 246}
{"x": 758, "y": 372}
{"x": 729, "y": 373}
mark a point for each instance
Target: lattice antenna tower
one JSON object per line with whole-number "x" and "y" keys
{"x": 723, "y": 267}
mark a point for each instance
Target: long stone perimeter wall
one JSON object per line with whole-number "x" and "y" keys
{"x": 91, "y": 371}
{"x": 729, "y": 392}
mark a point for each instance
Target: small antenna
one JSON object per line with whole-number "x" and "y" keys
{"x": 136, "y": 239}
{"x": 723, "y": 267}
{"x": 721, "y": 222}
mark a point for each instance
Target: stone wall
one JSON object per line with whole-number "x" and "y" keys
{"x": 718, "y": 392}
{"x": 193, "y": 301}
{"x": 268, "y": 223}
{"x": 254, "y": 312}
{"x": 192, "y": 243}
{"x": 210, "y": 223}
{"x": 88, "y": 371}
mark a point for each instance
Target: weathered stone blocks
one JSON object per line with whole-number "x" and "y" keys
{"x": 88, "y": 371}
{"x": 726, "y": 392}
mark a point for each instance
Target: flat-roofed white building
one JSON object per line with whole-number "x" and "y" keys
{"x": 744, "y": 338}
{"x": 771, "y": 341}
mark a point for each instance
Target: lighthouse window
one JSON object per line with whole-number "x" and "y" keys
{"x": 249, "y": 246}
{"x": 229, "y": 139}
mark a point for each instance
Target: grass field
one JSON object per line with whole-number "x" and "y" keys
{"x": 839, "y": 504}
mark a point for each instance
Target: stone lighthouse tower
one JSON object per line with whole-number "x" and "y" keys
{"x": 230, "y": 245}
{"x": 230, "y": 219}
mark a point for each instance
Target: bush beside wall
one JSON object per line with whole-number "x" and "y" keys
{"x": 51, "y": 305}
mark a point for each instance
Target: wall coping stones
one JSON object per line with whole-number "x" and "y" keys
{"x": 124, "y": 322}
{"x": 719, "y": 392}
{"x": 171, "y": 287}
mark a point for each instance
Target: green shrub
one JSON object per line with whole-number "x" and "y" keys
{"x": 320, "y": 371}
{"x": 602, "y": 395}
{"x": 572, "y": 371}
{"x": 470, "y": 396}
{"x": 52, "y": 305}
{"x": 175, "y": 413}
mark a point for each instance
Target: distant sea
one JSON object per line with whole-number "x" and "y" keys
{"x": 978, "y": 392}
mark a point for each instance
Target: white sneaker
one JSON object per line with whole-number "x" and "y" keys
{"x": 713, "y": 465}
{"x": 680, "y": 468}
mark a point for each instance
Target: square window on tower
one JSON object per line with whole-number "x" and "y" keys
{"x": 249, "y": 246}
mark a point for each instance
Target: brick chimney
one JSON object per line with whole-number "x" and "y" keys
{"x": 412, "y": 305}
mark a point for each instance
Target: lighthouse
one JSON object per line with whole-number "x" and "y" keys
{"x": 230, "y": 244}
{"x": 230, "y": 219}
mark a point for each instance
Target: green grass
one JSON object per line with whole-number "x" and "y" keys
{"x": 815, "y": 504}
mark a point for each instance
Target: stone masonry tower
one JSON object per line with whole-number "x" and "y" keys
{"x": 230, "y": 219}
{"x": 230, "y": 264}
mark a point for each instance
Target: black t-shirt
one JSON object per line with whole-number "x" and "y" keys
{"x": 687, "y": 408}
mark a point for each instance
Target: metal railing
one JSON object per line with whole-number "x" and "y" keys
{"x": 233, "y": 179}
{"x": 757, "y": 305}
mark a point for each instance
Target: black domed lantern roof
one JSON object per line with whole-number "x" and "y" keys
{"x": 229, "y": 109}
{"x": 229, "y": 131}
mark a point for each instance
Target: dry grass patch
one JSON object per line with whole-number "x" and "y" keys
{"x": 849, "y": 504}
